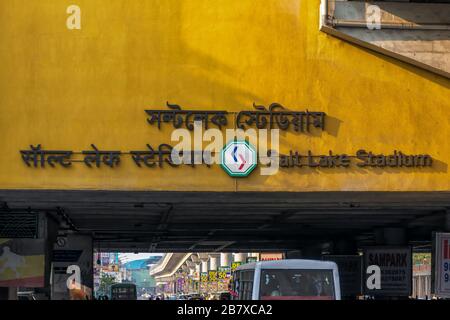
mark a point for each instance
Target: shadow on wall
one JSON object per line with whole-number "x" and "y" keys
{"x": 332, "y": 125}
{"x": 437, "y": 167}
{"x": 422, "y": 73}
{"x": 181, "y": 74}
{"x": 438, "y": 79}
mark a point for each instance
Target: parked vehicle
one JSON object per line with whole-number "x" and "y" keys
{"x": 287, "y": 280}
{"x": 123, "y": 291}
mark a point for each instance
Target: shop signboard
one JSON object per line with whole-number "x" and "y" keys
{"x": 395, "y": 265}
{"x": 204, "y": 277}
{"x": 234, "y": 265}
{"x": 22, "y": 262}
{"x": 224, "y": 272}
{"x": 74, "y": 250}
{"x": 251, "y": 259}
{"x": 196, "y": 276}
{"x": 441, "y": 265}
{"x": 203, "y": 287}
{"x": 212, "y": 276}
{"x": 212, "y": 287}
{"x": 222, "y": 285}
{"x": 266, "y": 256}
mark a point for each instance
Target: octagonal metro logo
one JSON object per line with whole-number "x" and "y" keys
{"x": 238, "y": 158}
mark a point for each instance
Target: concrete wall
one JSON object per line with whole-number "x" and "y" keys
{"x": 419, "y": 31}
{"x": 394, "y": 12}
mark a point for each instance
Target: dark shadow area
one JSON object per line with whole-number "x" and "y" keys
{"x": 437, "y": 167}
{"x": 332, "y": 125}
{"x": 184, "y": 71}
{"x": 207, "y": 221}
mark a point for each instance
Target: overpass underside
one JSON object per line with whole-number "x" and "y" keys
{"x": 232, "y": 222}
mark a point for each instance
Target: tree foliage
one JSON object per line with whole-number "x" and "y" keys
{"x": 106, "y": 281}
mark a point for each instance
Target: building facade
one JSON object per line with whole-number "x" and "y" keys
{"x": 91, "y": 101}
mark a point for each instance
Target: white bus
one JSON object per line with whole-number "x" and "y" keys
{"x": 287, "y": 280}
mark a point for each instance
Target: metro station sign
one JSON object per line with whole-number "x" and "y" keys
{"x": 238, "y": 158}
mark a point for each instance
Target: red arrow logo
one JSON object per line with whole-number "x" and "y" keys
{"x": 243, "y": 162}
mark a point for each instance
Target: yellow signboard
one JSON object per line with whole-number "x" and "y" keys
{"x": 204, "y": 277}
{"x": 234, "y": 265}
{"x": 213, "y": 276}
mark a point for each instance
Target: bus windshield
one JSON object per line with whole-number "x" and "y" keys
{"x": 296, "y": 284}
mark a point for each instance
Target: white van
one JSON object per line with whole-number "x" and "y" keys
{"x": 287, "y": 280}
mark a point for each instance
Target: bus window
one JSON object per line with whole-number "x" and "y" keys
{"x": 277, "y": 284}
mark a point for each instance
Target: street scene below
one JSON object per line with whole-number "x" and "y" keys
{"x": 147, "y": 276}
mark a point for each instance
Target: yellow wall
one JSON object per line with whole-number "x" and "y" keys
{"x": 67, "y": 89}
